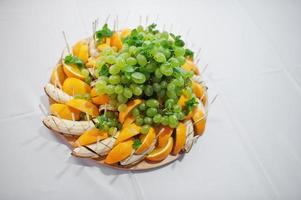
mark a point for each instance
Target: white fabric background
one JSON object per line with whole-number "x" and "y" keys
{"x": 251, "y": 148}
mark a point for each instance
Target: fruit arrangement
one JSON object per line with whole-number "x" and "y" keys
{"x": 128, "y": 97}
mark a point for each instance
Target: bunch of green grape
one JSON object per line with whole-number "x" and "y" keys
{"x": 147, "y": 67}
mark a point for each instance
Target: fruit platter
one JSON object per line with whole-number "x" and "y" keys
{"x": 129, "y": 99}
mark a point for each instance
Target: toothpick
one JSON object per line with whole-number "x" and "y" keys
{"x": 66, "y": 41}
{"x": 213, "y": 100}
{"x": 107, "y": 19}
{"x": 156, "y": 20}
{"x": 204, "y": 70}
{"x": 88, "y": 117}
{"x": 126, "y": 18}
{"x": 117, "y": 23}
{"x": 198, "y": 53}
{"x": 146, "y": 20}
{"x": 140, "y": 20}
{"x": 73, "y": 117}
{"x": 43, "y": 110}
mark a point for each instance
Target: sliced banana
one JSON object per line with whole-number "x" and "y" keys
{"x": 67, "y": 126}
{"x": 97, "y": 149}
{"x": 189, "y": 136}
{"x": 134, "y": 158}
{"x": 57, "y": 94}
{"x": 106, "y": 107}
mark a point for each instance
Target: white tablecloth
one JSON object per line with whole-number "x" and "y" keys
{"x": 251, "y": 148}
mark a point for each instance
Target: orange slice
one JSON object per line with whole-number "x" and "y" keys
{"x": 199, "y": 120}
{"x": 182, "y": 100}
{"x": 190, "y": 66}
{"x": 160, "y": 153}
{"x": 58, "y": 76}
{"x": 83, "y": 53}
{"x": 180, "y": 138}
{"x": 129, "y": 120}
{"x": 164, "y": 135}
{"x": 125, "y": 32}
{"x": 128, "y": 132}
{"x": 91, "y": 136}
{"x": 116, "y": 41}
{"x": 77, "y": 46}
{"x": 84, "y": 106}
{"x": 120, "y": 152}
{"x": 146, "y": 141}
{"x": 73, "y": 71}
{"x": 65, "y": 112}
{"x": 74, "y": 86}
{"x": 99, "y": 99}
{"x": 130, "y": 106}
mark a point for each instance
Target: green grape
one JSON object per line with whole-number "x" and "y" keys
{"x": 148, "y": 120}
{"x": 127, "y": 93}
{"x": 125, "y": 55}
{"x": 114, "y": 79}
{"x": 179, "y": 51}
{"x": 169, "y": 103}
{"x": 158, "y": 73}
{"x": 118, "y": 89}
{"x": 141, "y": 60}
{"x": 160, "y": 57}
{"x": 161, "y": 93}
{"x": 124, "y": 80}
{"x": 145, "y": 129}
{"x": 171, "y": 94}
{"x": 174, "y": 62}
{"x": 138, "y": 77}
{"x": 180, "y": 115}
{"x": 171, "y": 87}
{"x": 156, "y": 87}
{"x": 164, "y": 120}
{"x": 120, "y": 62}
{"x": 152, "y": 103}
{"x": 142, "y": 106}
{"x": 172, "y": 121}
{"x": 156, "y": 79}
{"x": 105, "y": 128}
{"x": 132, "y": 50}
{"x": 180, "y": 82}
{"x": 111, "y": 59}
{"x": 135, "y": 112}
{"x": 121, "y": 98}
{"x": 85, "y": 72}
{"x": 139, "y": 121}
{"x": 163, "y": 84}
{"x": 131, "y": 61}
{"x": 122, "y": 107}
{"x": 148, "y": 90}
{"x": 137, "y": 91}
{"x": 151, "y": 67}
{"x": 114, "y": 69}
{"x": 100, "y": 83}
{"x": 181, "y": 60}
{"x": 110, "y": 89}
{"x": 150, "y": 112}
{"x": 177, "y": 108}
{"x": 104, "y": 78}
{"x": 157, "y": 118}
{"x": 166, "y": 69}
{"x": 166, "y": 53}
{"x": 108, "y": 51}
{"x": 165, "y": 35}
{"x": 125, "y": 47}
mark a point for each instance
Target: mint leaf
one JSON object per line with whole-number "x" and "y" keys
{"x": 137, "y": 143}
{"x": 104, "y": 32}
{"x": 70, "y": 59}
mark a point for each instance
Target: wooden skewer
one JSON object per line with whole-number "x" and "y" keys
{"x": 146, "y": 20}
{"x": 67, "y": 44}
{"x": 204, "y": 70}
{"x": 140, "y": 20}
{"x": 107, "y": 19}
{"x": 43, "y": 110}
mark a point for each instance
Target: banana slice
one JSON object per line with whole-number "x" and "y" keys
{"x": 189, "y": 136}
{"x": 106, "y": 107}
{"x": 67, "y": 126}
{"x": 57, "y": 94}
{"x": 134, "y": 158}
{"x": 97, "y": 149}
